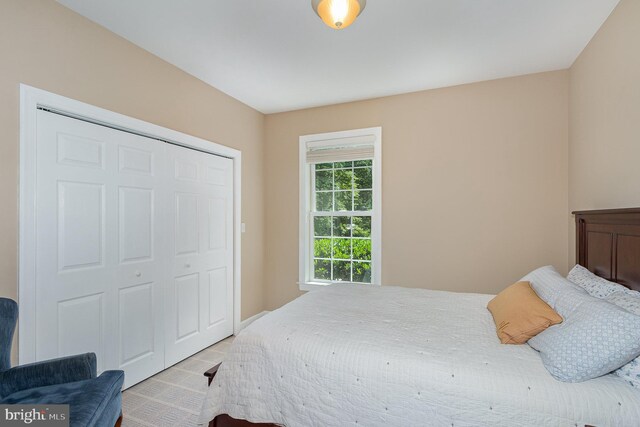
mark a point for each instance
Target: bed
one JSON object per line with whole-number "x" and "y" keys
{"x": 381, "y": 356}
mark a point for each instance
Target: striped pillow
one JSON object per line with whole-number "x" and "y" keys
{"x": 561, "y": 294}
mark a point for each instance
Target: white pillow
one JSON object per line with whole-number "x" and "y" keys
{"x": 561, "y": 294}
{"x": 595, "y": 285}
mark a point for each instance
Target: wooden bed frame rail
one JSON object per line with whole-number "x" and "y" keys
{"x": 225, "y": 420}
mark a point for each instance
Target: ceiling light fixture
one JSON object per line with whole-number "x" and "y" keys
{"x": 338, "y": 14}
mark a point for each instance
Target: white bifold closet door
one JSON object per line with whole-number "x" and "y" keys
{"x": 134, "y": 247}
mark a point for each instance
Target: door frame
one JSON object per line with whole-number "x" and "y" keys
{"x": 31, "y": 99}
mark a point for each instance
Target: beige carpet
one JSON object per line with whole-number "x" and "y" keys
{"x": 174, "y": 396}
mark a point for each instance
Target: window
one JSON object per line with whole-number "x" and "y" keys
{"x": 340, "y": 208}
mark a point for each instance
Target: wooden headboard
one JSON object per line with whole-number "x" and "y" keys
{"x": 608, "y": 244}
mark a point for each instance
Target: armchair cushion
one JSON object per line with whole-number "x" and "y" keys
{"x": 50, "y": 372}
{"x": 8, "y": 319}
{"x": 93, "y": 402}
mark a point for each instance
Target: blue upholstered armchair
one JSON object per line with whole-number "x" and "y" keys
{"x": 93, "y": 401}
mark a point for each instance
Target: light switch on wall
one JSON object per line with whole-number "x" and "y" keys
{"x": 242, "y": 227}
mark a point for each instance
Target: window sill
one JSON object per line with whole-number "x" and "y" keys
{"x": 314, "y": 286}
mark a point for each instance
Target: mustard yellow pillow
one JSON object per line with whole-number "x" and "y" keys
{"x": 520, "y": 314}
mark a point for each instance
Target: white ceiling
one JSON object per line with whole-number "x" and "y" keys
{"x": 277, "y": 55}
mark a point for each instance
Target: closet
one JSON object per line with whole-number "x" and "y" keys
{"x": 134, "y": 247}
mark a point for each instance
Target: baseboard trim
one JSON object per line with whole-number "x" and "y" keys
{"x": 251, "y": 319}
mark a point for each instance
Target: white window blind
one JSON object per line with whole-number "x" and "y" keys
{"x": 341, "y": 150}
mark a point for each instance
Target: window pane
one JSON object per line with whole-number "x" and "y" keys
{"x": 361, "y": 226}
{"x": 363, "y": 178}
{"x": 362, "y": 272}
{"x": 344, "y": 179}
{"x": 324, "y": 201}
{"x": 363, "y": 201}
{"x": 322, "y": 226}
{"x": 324, "y": 166}
{"x": 324, "y": 180}
{"x": 341, "y": 248}
{"x": 342, "y": 244}
{"x": 322, "y": 269}
{"x": 362, "y": 249}
{"x": 322, "y": 248}
{"x": 342, "y": 226}
{"x": 342, "y": 271}
{"x": 363, "y": 163}
{"x": 343, "y": 200}
{"x": 343, "y": 165}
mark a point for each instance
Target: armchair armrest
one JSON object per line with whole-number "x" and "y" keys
{"x": 49, "y": 372}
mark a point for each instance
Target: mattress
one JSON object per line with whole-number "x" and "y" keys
{"x": 352, "y": 355}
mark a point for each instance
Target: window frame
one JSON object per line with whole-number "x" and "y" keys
{"x": 307, "y": 179}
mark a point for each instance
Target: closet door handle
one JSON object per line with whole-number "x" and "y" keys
{"x": 138, "y": 274}
{"x": 187, "y": 266}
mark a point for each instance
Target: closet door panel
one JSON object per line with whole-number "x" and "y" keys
{"x": 202, "y": 190}
{"x": 140, "y": 253}
{"x": 187, "y": 302}
{"x": 187, "y": 224}
{"x": 81, "y": 225}
{"x": 135, "y": 220}
{"x": 136, "y": 322}
{"x": 100, "y": 278}
{"x": 74, "y": 336}
{"x": 218, "y": 287}
{"x": 218, "y": 310}
{"x": 73, "y": 275}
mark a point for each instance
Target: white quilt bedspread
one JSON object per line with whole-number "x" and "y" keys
{"x": 387, "y": 356}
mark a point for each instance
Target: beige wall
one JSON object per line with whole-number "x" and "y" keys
{"x": 475, "y": 183}
{"x": 47, "y": 46}
{"x": 604, "y": 161}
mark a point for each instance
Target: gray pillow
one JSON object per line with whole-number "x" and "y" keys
{"x": 630, "y": 301}
{"x": 595, "y": 339}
